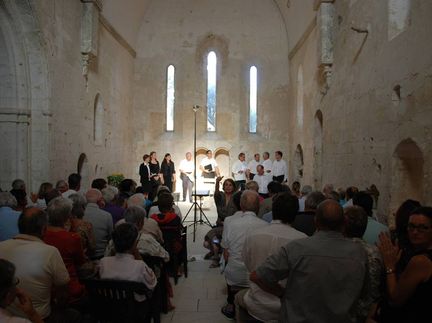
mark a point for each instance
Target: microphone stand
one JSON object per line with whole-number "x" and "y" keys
{"x": 196, "y": 206}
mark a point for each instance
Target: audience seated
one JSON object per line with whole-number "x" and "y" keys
{"x": 68, "y": 243}
{"x": 74, "y": 184}
{"x": 150, "y": 225}
{"x": 409, "y": 294}
{"x": 61, "y": 186}
{"x": 9, "y": 292}
{"x": 355, "y": 226}
{"x": 99, "y": 184}
{"x": 266, "y": 205}
{"x": 305, "y": 190}
{"x": 305, "y": 221}
{"x": 317, "y": 270}
{"x": 19, "y": 185}
{"x": 39, "y": 266}
{"x": 259, "y": 244}
{"x": 44, "y": 188}
{"x": 127, "y": 188}
{"x": 374, "y": 227}
{"x": 401, "y": 221}
{"x": 83, "y": 228}
{"x": 154, "y": 209}
{"x": 349, "y": 194}
{"x": 113, "y": 203}
{"x": 233, "y": 237}
{"x": 21, "y": 198}
{"x": 8, "y": 216}
{"x": 101, "y": 221}
{"x": 147, "y": 244}
{"x": 127, "y": 264}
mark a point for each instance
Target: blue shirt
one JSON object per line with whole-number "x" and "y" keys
{"x": 8, "y": 223}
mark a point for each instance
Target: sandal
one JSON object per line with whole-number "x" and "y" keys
{"x": 228, "y": 311}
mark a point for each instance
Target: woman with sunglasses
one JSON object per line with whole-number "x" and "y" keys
{"x": 409, "y": 292}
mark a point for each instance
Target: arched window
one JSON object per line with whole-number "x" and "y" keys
{"x": 211, "y": 91}
{"x": 253, "y": 99}
{"x": 300, "y": 94}
{"x": 98, "y": 120}
{"x": 170, "y": 98}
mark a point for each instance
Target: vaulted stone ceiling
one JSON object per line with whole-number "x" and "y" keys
{"x": 127, "y": 16}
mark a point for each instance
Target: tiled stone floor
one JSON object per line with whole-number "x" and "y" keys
{"x": 199, "y": 297}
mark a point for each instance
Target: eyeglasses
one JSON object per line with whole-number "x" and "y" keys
{"x": 420, "y": 228}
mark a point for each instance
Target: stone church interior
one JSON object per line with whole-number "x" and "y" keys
{"x": 313, "y": 116}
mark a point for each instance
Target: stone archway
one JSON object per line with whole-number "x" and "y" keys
{"x": 24, "y": 96}
{"x": 222, "y": 157}
{"x": 318, "y": 149}
{"x": 407, "y": 173}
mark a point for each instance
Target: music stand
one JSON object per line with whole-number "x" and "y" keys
{"x": 196, "y": 194}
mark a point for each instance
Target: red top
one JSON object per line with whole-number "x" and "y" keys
{"x": 70, "y": 247}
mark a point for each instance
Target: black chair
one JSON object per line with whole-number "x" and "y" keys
{"x": 175, "y": 242}
{"x": 114, "y": 300}
{"x": 159, "y": 301}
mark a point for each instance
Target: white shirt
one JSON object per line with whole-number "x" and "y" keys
{"x": 39, "y": 267}
{"x": 263, "y": 181}
{"x": 252, "y": 166}
{"x": 237, "y": 167}
{"x": 302, "y": 201}
{"x": 280, "y": 168}
{"x": 69, "y": 193}
{"x": 258, "y": 245}
{"x": 267, "y": 164}
{"x": 124, "y": 266}
{"x": 186, "y": 166}
{"x": 209, "y": 161}
{"x": 236, "y": 228}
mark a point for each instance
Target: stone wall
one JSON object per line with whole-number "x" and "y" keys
{"x": 377, "y": 111}
{"x": 180, "y": 34}
{"x": 69, "y": 107}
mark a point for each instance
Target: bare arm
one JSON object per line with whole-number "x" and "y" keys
{"x": 25, "y": 304}
{"x": 419, "y": 269}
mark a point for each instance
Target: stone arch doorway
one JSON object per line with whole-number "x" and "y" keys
{"x": 222, "y": 157}
{"x": 24, "y": 108}
{"x": 407, "y": 173}
{"x": 298, "y": 164}
{"x": 318, "y": 149}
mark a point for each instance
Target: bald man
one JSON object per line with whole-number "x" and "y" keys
{"x": 101, "y": 220}
{"x": 325, "y": 273}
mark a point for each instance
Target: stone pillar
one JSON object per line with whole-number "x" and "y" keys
{"x": 89, "y": 33}
{"x": 326, "y": 29}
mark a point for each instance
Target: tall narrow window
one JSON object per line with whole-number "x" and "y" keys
{"x": 300, "y": 94}
{"x": 170, "y": 98}
{"x": 211, "y": 91}
{"x": 98, "y": 120}
{"x": 253, "y": 99}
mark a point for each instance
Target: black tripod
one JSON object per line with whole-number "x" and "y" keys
{"x": 195, "y": 205}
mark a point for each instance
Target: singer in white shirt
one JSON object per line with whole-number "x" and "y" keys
{"x": 263, "y": 180}
{"x": 267, "y": 163}
{"x": 279, "y": 169}
{"x": 239, "y": 170}
{"x": 187, "y": 176}
{"x": 252, "y": 166}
